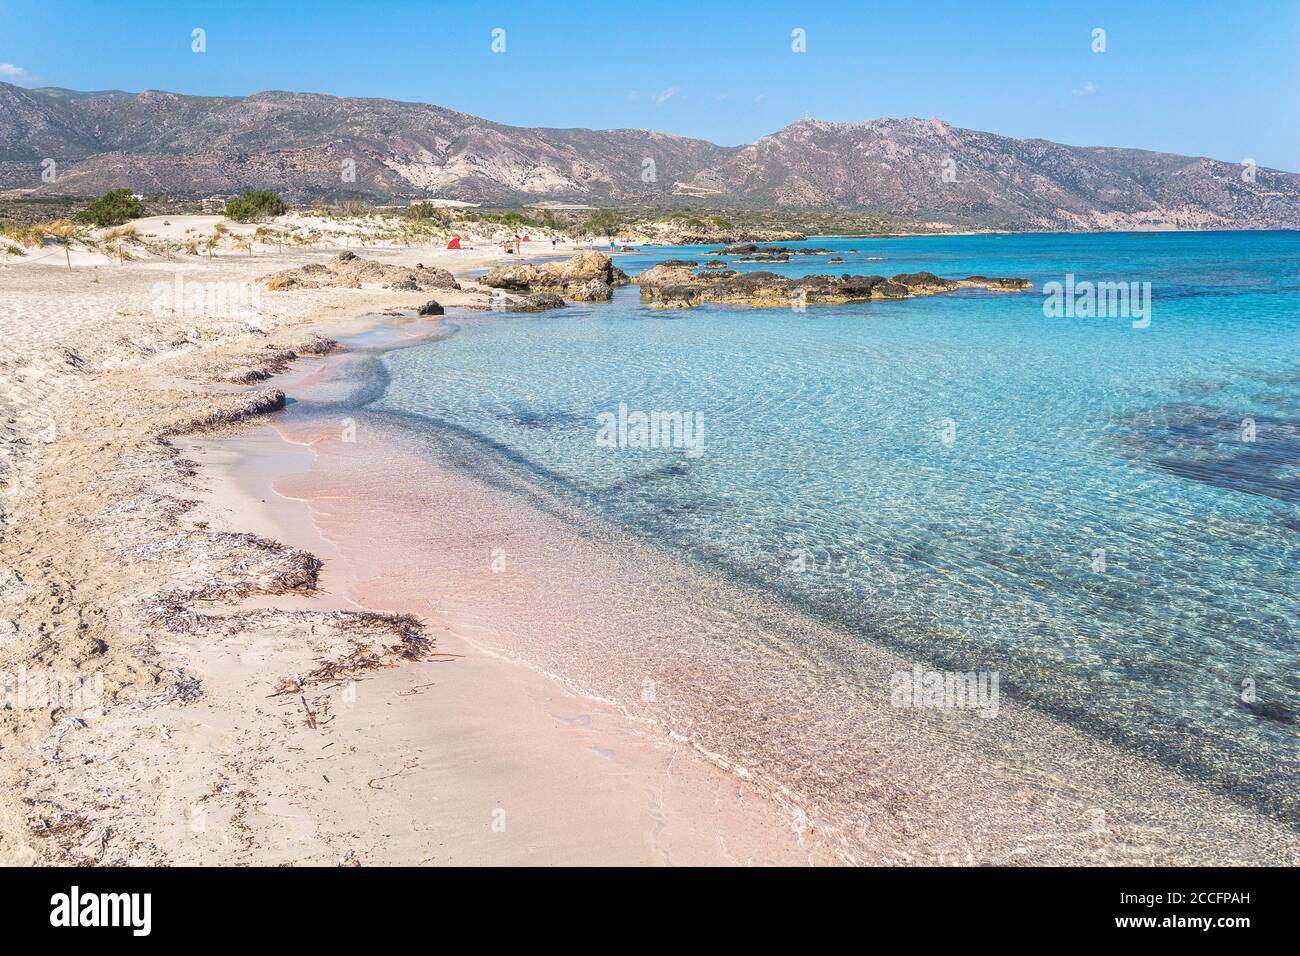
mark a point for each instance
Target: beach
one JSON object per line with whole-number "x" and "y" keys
{"x": 128, "y": 556}
{"x": 560, "y": 693}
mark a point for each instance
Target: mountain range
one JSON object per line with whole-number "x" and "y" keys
{"x": 310, "y": 146}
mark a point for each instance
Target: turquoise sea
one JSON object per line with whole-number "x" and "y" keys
{"x": 1105, "y": 515}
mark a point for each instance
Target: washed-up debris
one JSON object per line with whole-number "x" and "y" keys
{"x": 184, "y": 689}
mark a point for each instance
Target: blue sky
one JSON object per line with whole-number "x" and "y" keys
{"x": 1220, "y": 79}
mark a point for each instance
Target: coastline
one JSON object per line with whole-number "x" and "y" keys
{"x": 118, "y": 538}
{"x": 196, "y": 624}
{"x": 946, "y": 790}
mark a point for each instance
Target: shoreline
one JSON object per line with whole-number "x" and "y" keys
{"x": 507, "y": 738}
{"x": 259, "y": 714}
{"x": 1128, "y": 792}
{"x": 206, "y": 757}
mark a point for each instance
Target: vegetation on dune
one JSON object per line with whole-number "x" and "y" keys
{"x": 17, "y": 234}
{"x": 511, "y": 218}
{"x": 114, "y": 208}
{"x": 425, "y": 212}
{"x": 254, "y": 205}
{"x": 61, "y": 232}
{"x": 603, "y": 222}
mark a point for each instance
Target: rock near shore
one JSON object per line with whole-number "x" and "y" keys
{"x": 347, "y": 270}
{"x": 537, "y": 302}
{"x": 563, "y": 278}
{"x": 675, "y": 285}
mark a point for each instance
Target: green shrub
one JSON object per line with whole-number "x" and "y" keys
{"x": 253, "y": 205}
{"x": 603, "y": 222}
{"x": 112, "y": 209}
{"x": 425, "y": 211}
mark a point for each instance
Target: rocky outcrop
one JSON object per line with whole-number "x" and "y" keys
{"x": 537, "y": 302}
{"x": 429, "y": 308}
{"x": 593, "y": 291}
{"x": 675, "y": 285}
{"x": 347, "y": 270}
{"x": 758, "y": 253}
{"x": 677, "y": 232}
{"x": 583, "y": 275}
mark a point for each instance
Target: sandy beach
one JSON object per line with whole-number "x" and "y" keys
{"x": 250, "y": 713}
{"x": 307, "y": 659}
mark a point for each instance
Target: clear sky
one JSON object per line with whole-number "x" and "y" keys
{"x": 1215, "y": 78}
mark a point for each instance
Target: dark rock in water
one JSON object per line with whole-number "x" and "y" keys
{"x": 1270, "y": 711}
{"x": 998, "y": 284}
{"x": 924, "y": 280}
{"x": 891, "y": 290}
{"x": 757, "y": 253}
{"x": 430, "y": 308}
{"x": 836, "y": 260}
{"x": 538, "y": 302}
{"x": 859, "y": 285}
{"x": 673, "y": 285}
{"x": 715, "y": 265}
{"x": 673, "y": 297}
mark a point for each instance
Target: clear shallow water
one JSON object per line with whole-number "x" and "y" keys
{"x": 825, "y": 478}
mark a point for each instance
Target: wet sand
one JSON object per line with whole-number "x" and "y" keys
{"x": 424, "y": 521}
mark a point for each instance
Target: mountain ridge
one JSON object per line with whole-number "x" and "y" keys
{"x": 311, "y": 146}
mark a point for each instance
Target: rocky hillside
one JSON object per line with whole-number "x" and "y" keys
{"x": 310, "y": 146}
{"x": 927, "y": 170}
